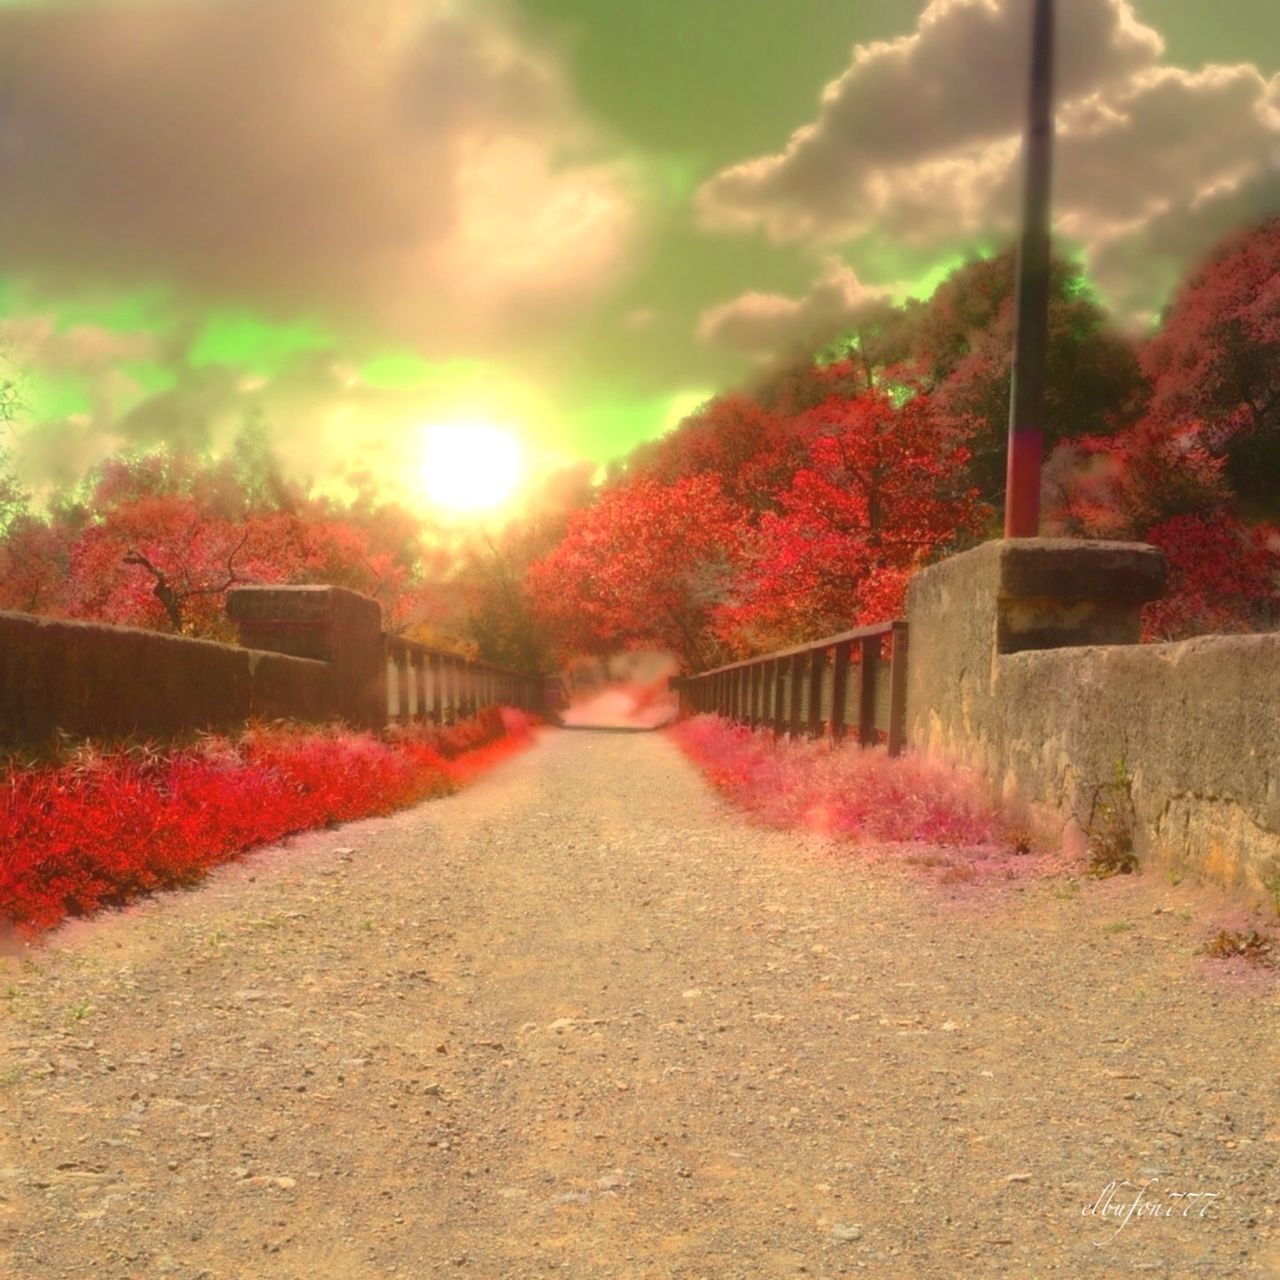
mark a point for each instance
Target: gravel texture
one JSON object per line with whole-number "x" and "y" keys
{"x": 582, "y": 1018}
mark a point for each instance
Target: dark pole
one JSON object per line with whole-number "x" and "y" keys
{"x": 1031, "y": 292}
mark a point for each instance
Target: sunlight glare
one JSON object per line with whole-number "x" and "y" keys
{"x": 469, "y": 467}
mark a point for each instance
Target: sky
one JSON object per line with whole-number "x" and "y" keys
{"x": 569, "y": 219}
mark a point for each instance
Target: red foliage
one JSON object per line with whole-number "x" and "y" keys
{"x": 881, "y": 492}
{"x": 1223, "y": 576}
{"x": 645, "y": 565}
{"x": 162, "y": 535}
{"x": 1120, "y": 486}
{"x": 847, "y": 792}
{"x": 1217, "y": 356}
{"x": 1163, "y": 485}
{"x": 103, "y": 826}
{"x": 752, "y": 450}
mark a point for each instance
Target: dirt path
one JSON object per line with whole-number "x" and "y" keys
{"x": 581, "y": 1018}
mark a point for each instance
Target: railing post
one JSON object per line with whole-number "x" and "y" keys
{"x": 817, "y": 670}
{"x": 797, "y": 684}
{"x": 839, "y": 689}
{"x": 420, "y": 682}
{"x": 867, "y": 691}
{"x": 756, "y": 674}
{"x": 437, "y": 688}
{"x": 778, "y": 692}
{"x": 898, "y": 689}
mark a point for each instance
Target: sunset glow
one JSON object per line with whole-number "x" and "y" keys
{"x": 470, "y": 467}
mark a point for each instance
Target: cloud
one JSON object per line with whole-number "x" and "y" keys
{"x": 640, "y": 318}
{"x": 762, "y": 324}
{"x": 83, "y": 349}
{"x": 957, "y": 83}
{"x": 411, "y": 164}
{"x": 920, "y": 141}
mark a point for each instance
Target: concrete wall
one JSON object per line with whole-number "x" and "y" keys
{"x": 306, "y": 653}
{"x": 101, "y": 681}
{"x": 329, "y": 624}
{"x": 1024, "y": 664}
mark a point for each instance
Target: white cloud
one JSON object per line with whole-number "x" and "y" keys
{"x": 761, "y": 324}
{"x": 415, "y": 165}
{"x": 919, "y": 143}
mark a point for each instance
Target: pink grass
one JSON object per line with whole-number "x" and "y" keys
{"x": 845, "y": 792}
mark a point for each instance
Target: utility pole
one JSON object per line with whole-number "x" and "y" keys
{"x": 1031, "y": 292}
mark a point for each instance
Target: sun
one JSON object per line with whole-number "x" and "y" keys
{"x": 469, "y": 467}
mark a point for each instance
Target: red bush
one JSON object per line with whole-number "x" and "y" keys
{"x": 859, "y": 795}
{"x": 102, "y": 826}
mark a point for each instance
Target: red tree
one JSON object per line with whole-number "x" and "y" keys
{"x": 1217, "y": 360}
{"x": 882, "y": 492}
{"x": 1164, "y": 486}
{"x": 1223, "y": 576}
{"x": 645, "y": 565}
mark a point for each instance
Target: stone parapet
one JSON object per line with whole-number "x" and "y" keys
{"x": 1024, "y": 665}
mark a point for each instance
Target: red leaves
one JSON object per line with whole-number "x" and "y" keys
{"x": 102, "y": 827}
{"x": 881, "y": 491}
{"x": 645, "y": 565}
{"x": 1217, "y": 356}
{"x": 845, "y": 792}
{"x": 162, "y": 535}
{"x": 1223, "y": 577}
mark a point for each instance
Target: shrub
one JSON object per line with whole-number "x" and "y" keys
{"x": 99, "y": 826}
{"x": 845, "y": 792}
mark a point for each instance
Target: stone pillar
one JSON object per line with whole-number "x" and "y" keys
{"x": 331, "y": 624}
{"x": 1007, "y": 597}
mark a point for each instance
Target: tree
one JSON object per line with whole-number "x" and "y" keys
{"x": 1093, "y": 385}
{"x": 155, "y": 539}
{"x": 489, "y": 584}
{"x": 32, "y": 554}
{"x": 1216, "y": 360}
{"x": 1163, "y": 486}
{"x": 1223, "y": 576}
{"x": 882, "y": 491}
{"x": 1122, "y": 485}
{"x": 644, "y": 566}
{"x": 751, "y": 450}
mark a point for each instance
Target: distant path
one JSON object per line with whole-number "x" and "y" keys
{"x": 582, "y": 1018}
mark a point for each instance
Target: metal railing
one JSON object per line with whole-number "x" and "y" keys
{"x": 432, "y": 684}
{"x": 822, "y": 687}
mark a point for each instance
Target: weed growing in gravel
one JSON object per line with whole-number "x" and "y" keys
{"x": 97, "y": 826}
{"x": 1110, "y": 827}
{"x": 1252, "y": 946}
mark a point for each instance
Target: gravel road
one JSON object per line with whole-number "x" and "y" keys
{"x": 582, "y": 1018}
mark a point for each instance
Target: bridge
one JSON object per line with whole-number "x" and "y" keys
{"x": 584, "y": 1017}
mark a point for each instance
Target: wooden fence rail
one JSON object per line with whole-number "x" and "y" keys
{"x": 821, "y": 687}
{"x": 432, "y": 684}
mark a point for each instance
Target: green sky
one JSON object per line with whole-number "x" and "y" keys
{"x": 586, "y": 340}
